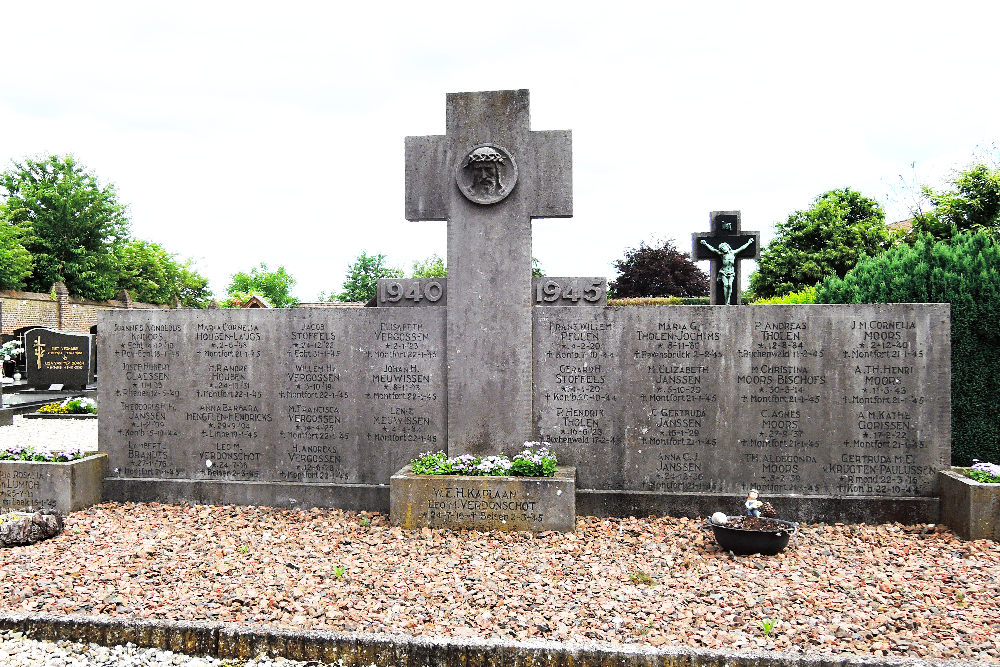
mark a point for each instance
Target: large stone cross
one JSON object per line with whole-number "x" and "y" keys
{"x": 488, "y": 177}
{"x": 725, "y": 246}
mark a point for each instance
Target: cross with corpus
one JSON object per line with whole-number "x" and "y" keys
{"x": 725, "y": 246}
{"x": 488, "y": 177}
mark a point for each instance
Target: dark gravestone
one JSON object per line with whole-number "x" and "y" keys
{"x": 54, "y": 357}
{"x": 488, "y": 177}
{"x": 725, "y": 245}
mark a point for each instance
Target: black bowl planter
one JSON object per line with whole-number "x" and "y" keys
{"x": 742, "y": 541}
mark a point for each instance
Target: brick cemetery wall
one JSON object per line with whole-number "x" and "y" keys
{"x": 62, "y": 311}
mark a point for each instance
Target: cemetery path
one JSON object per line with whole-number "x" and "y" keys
{"x": 870, "y": 590}
{"x": 50, "y": 434}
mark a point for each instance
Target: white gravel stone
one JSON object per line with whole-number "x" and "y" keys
{"x": 18, "y": 651}
{"x": 50, "y": 434}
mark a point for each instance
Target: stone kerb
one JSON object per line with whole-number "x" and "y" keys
{"x": 484, "y": 503}
{"x": 61, "y": 487}
{"x": 968, "y": 507}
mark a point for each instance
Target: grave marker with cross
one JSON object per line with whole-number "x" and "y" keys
{"x": 488, "y": 177}
{"x": 725, "y": 245}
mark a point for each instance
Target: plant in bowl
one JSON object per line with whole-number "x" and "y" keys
{"x": 758, "y": 531}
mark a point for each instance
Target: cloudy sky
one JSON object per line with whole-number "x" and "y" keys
{"x": 246, "y": 132}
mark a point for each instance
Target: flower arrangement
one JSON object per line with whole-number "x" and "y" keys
{"x": 29, "y": 453}
{"x": 534, "y": 460}
{"x": 73, "y": 406}
{"x": 10, "y": 350}
{"x": 988, "y": 473}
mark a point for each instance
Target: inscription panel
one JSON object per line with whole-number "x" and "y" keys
{"x": 300, "y": 395}
{"x": 826, "y": 400}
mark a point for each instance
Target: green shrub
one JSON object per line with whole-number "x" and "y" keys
{"x": 660, "y": 301}
{"x": 806, "y": 295}
{"x": 962, "y": 271}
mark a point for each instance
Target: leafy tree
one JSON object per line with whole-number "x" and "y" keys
{"x": 972, "y": 204}
{"x": 432, "y": 267}
{"x": 361, "y": 282}
{"x": 274, "y": 286}
{"x": 660, "y": 270}
{"x": 827, "y": 239}
{"x": 153, "y": 275}
{"x": 15, "y": 262}
{"x": 962, "y": 272}
{"x": 71, "y": 225}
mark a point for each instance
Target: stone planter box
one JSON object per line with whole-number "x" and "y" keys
{"x": 484, "y": 503}
{"x": 47, "y": 415}
{"x": 48, "y": 487}
{"x": 968, "y": 507}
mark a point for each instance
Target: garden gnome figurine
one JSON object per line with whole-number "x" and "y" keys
{"x": 752, "y": 504}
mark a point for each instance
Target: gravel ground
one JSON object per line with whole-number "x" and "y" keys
{"x": 17, "y": 651}
{"x": 895, "y": 590}
{"x": 887, "y": 590}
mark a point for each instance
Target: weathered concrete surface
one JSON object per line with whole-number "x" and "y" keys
{"x": 357, "y": 497}
{"x": 804, "y": 509}
{"x": 29, "y": 528}
{"x": 567, "y": 291}
{"x": 968, "y": 507}
{"x": 53, "y": 487}
{"x": 246, "y": 642}
{"x": 489, "y": 257}
{"x": 396, "y": 292}
{"x": 298, "y": 396}
{"x": 826, "y": 401}
{"x": 6, "y": 415}
{"x": 484, "y": 503}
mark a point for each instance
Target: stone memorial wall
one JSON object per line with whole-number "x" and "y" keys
{"x": 827, "y": 401}
{"x": 269, "y": 400}
{"x": 835, "y": 413}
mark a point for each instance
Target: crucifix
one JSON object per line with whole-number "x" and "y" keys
{"x": 725, "y": 245}
{"x": 488, "y": 177}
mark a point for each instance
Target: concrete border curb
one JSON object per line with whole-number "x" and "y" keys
{"x": 351, "y": 649}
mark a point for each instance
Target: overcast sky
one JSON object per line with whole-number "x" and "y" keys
{"x": 248, "y": 132}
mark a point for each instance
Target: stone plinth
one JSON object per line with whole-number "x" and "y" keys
{"x": 968, "y": 507}
{"x": 484, "y": 503}
{"x": 59, "y": 487}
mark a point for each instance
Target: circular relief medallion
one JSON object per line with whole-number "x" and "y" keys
{"x": 486, "y": 174}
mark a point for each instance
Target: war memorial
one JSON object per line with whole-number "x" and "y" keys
{"x": 841, "y": 413}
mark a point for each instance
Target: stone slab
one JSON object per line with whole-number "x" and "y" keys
{"x": 302, "y": 396}
{"x": 970, "y": 508}
{"x": 464, "y": 502}
{"x": 396, "y": 292}
{"x": 6, "y": 416}
{"x": 243, "y": 642}
{"x": 827, "y": 401}
{"x": 565, "y": 291}
{"x": 355, "y": 497}
{"x": 801, "y": 508}
{"x": 55, "y": 357}
{"x": 52, "y": 487}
